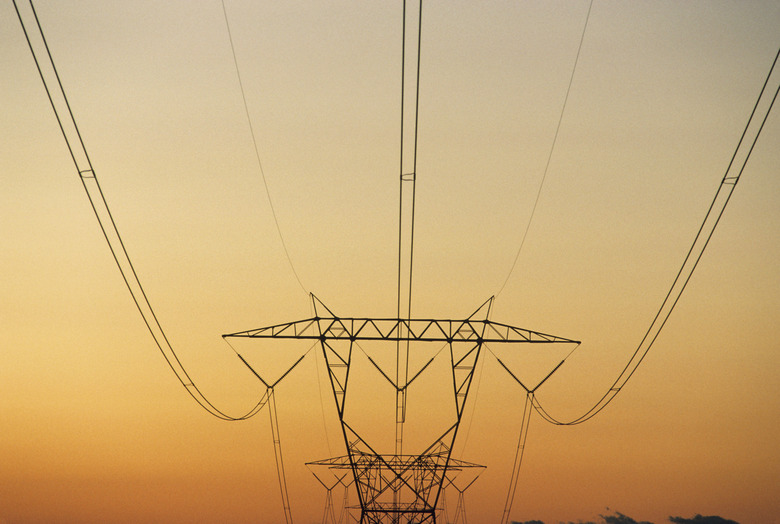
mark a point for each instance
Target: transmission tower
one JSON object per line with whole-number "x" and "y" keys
{"x": 399, "y": 487}
{"x": 395, "y": 487}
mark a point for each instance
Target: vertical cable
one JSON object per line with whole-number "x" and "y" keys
{"x": 400, "y": 230}
{"x": 278, "y": 456}
{"x": 510, "y": 496}
{"x": 406, "y": 217}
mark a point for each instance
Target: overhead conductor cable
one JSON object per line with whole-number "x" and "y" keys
{"x": 89, "y": 180}
{"x": 728, "y": 183}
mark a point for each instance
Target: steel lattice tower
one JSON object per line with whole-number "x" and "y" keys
{"x": 398, "y": 488}
{"x": 401, "y": 487}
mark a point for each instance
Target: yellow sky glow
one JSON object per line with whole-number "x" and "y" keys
{"x": 95, "y": 428}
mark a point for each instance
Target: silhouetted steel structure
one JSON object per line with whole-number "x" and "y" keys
{"x": 382, "y": 477}
{"x": 398, "y": 488}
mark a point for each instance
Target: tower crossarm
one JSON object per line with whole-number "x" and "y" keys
{"x": 396, "y": 329}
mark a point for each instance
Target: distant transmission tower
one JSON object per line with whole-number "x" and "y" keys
{"x": 401, "y": 487}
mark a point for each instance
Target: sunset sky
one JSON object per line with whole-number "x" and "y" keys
{"x": 94, "y": 427}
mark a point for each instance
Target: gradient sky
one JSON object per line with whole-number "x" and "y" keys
{"x": 95, "y": 428}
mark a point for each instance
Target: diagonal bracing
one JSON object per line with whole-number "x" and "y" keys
{"x": 394, "y": 487}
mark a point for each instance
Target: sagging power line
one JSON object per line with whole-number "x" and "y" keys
{"x": 411, "y": 484}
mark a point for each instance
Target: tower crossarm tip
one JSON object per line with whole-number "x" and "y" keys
{"x": 497, "y": 332}
{"x": 307, "y": 328}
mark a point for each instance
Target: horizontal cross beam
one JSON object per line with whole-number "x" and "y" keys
{"x": 410, "y": 462}
{"x": 395, "y": 329}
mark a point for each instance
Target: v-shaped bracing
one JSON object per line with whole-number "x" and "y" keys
{"x": 400, "y": 488}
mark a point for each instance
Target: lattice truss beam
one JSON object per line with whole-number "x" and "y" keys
{"x": 400, "y": 330}
{"x": 395, "y": 487}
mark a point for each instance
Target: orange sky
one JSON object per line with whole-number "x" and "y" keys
{"x": 95, "y": 428}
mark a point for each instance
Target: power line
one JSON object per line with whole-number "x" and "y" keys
{"x": 278, "y": 456}
{"x": 89, "y": 180}
{"x": 408, "y": 177}
{"x": 406, "y": 211}
{"x": 522, "y": 437}
{"x": 257, "y": 153}
{"x": 704, "y": 234}
{"x": 714, "y": 213}
{"x": 549, "y": 156}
